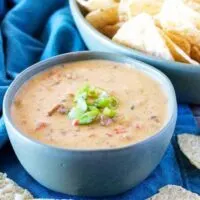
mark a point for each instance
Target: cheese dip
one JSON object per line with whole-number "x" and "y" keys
{"x": 44, "y": 107}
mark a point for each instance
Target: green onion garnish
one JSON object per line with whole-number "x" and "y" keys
{"x": 91, "y": 104}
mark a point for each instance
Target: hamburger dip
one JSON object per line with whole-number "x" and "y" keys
{"x": 91, "y": 104}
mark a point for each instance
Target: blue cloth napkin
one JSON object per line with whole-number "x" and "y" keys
{"x": 33, "y": 30}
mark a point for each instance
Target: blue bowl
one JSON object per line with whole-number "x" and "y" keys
{"x": 90, "y": 172}
{"x": 185, "y": 77}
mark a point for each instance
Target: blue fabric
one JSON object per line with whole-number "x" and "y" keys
{"x": 33, "y": 30}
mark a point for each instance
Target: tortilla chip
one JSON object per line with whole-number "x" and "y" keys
{"x": 178, "y": 54}
{"x": 174, "y": 192}
{"x": 141, "y": 33}
{"x": 9, "y": 190}
{"x": 152, "y": 7}
{"x": 177, "y": 17}
{"x": 123, "y": 10}
{"x": 193, "y": 4}
{"x": 190, "y": 146}
{"x": 103, "y": 17}
{"x": 91, "y": 5}
{"x": 130, "y": 8}
{"x": 111, "y": 30}
{"x": 195, "y": 53}
{"x": 180, "y": 41}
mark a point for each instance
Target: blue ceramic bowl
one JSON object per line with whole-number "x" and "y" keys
{"x": 185, "y": 77}
{"x": 90, "y": 172}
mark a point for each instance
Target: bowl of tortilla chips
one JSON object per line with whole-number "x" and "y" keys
{"x": 162, "y": 33}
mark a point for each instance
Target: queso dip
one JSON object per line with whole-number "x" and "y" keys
{"x": 42, "y": 106}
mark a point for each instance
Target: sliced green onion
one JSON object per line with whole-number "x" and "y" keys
{"x": 109, "y": 112}
{"x": 106, "y": 102}
{"x": 85, "y": 89}
{"x": 91, "y": 102}
{"x": 93, "y": 92}
{"x": 91, "y": 108}
{"x": 102, "y": 102}
{"x": 88, "y": 117}
{"x": 81, "y": 104}
{"x": 75, "y": 113}
{"x": 82, "y": 92}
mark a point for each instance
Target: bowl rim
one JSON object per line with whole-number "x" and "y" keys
{"x": 8, "y": 119}
{"x": 75, "y": 10}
